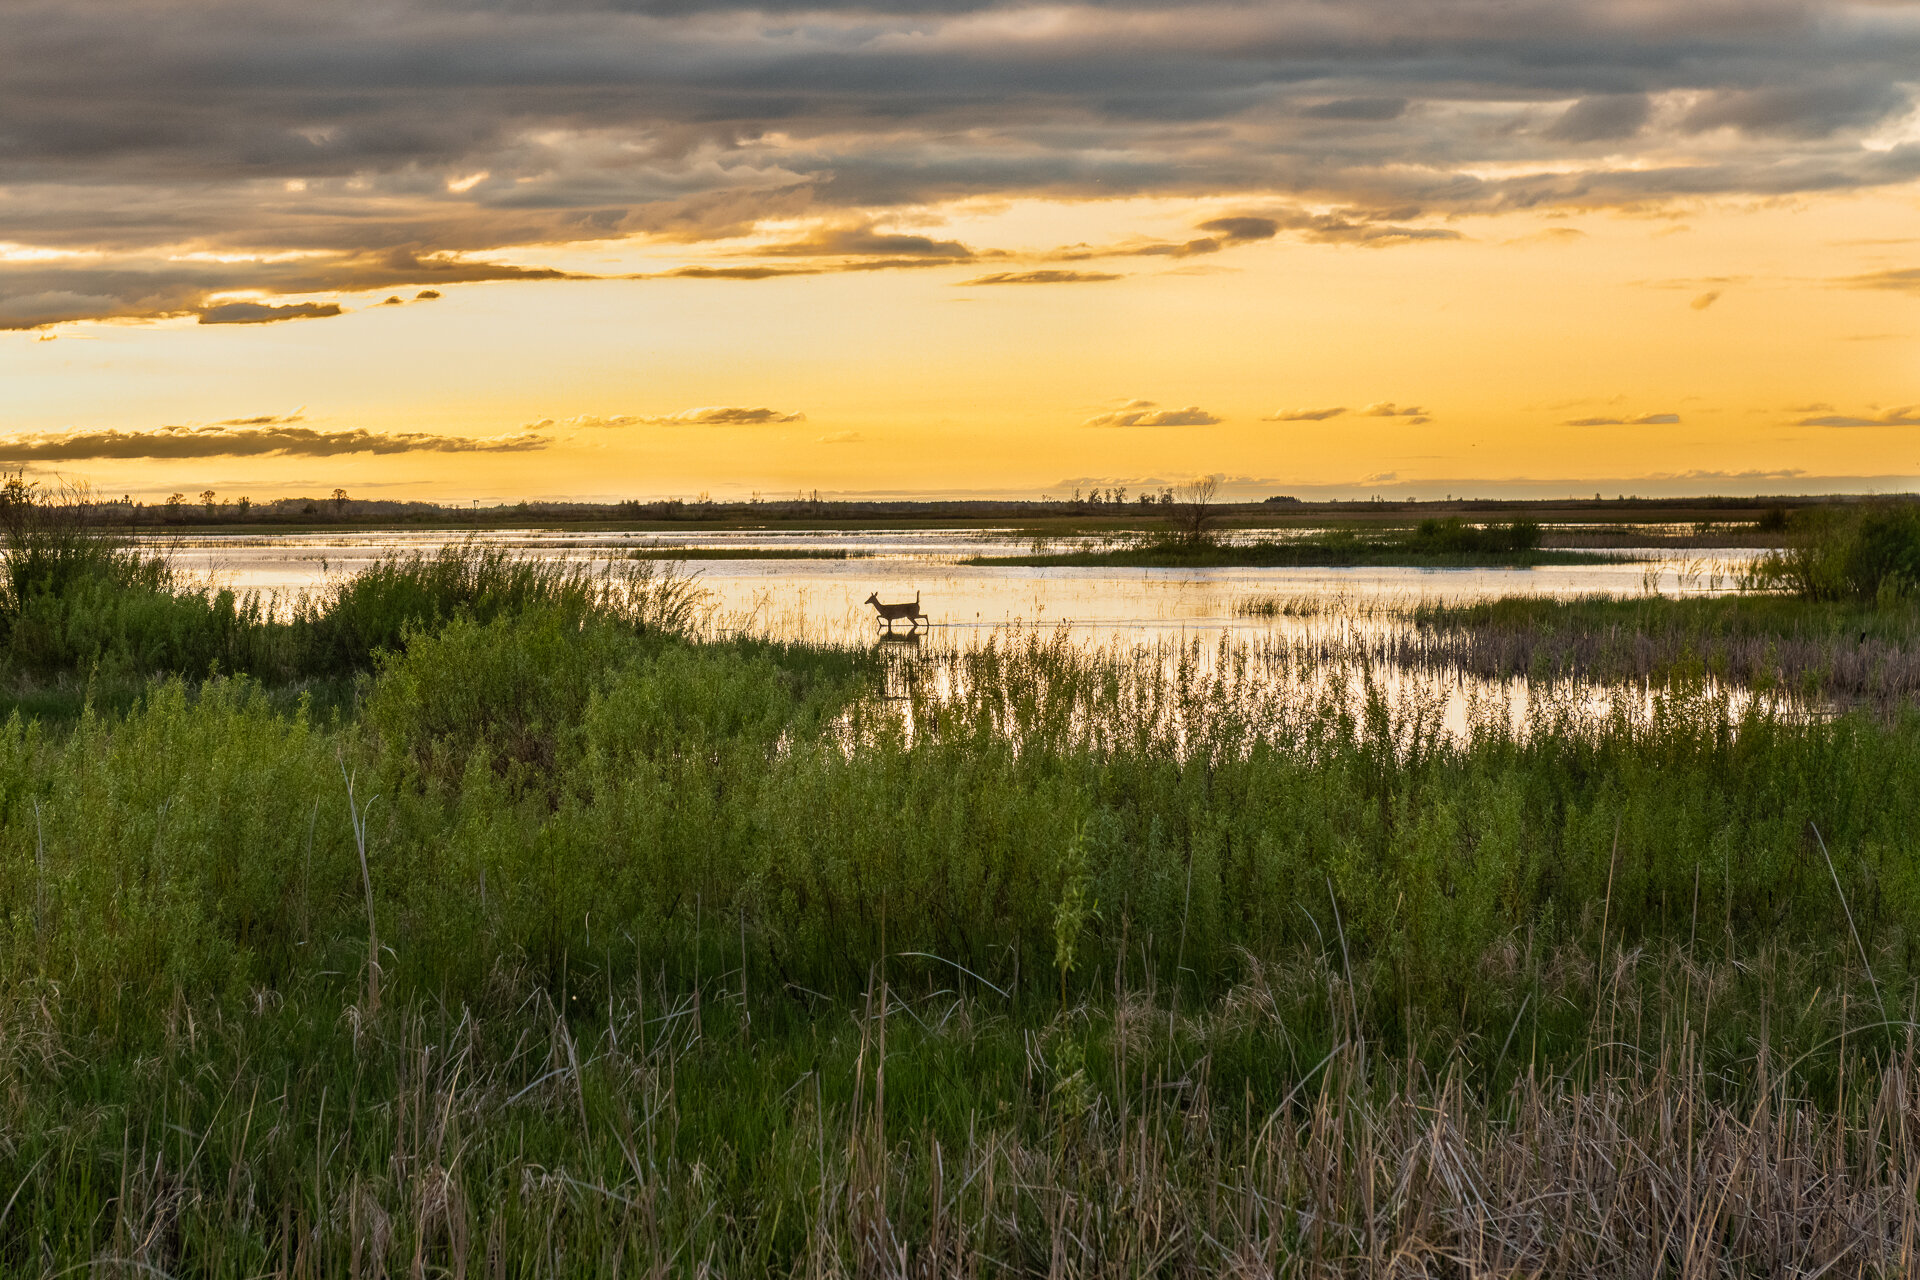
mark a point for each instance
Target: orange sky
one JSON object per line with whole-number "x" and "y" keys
{"x": 1343, "y": 285}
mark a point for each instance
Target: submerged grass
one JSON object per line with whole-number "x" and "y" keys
{"x": 1840, "y": 649}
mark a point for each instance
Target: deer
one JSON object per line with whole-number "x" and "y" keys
{"x": 908, "y": 609}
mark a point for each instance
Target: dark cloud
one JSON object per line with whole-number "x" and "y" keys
{"x": 246, "y": 442}
{"x": 1705, "y": 300}
{"x": 262, "y": 313}
{"x": 866, "y": 242}
{"x": 1304, "y": 415}
{"x": 1604, "y": 118}
{"x": 1243, "y": 228}
{"x": 1377, "y": 109}
{"x": 1145, "y": 413}
{"x": 1630, "y": 420}
{"x": 1043, "y": 277}
{"x": 1905, "y": 416}
{"x": 1798, "y": 111}
{"x": 36, "y": 294}
{"x": 1351, "y": 226}
{"x": 361, "y": 147}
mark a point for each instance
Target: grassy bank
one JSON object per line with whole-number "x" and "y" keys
{"x": 568, "y": 944}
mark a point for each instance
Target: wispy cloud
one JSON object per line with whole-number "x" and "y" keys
{"x": 1043, "y": 277}
{"x": 1413, "y": 413}
{"x": 1904, "y": 280}
{"x": 266, "y": 419}
{"x": 1304, "y": 415}
{"x": 1905, "y": 416}
{"x": 249, "y": 442}
{"x": 1146, "y": 413}
{"x": 705, "y": 416}
{"x": 1626, "y": 420}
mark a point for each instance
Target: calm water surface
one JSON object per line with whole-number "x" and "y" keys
{"x": 822, "y": 600}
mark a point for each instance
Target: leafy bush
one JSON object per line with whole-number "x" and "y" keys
{"x": 1869, "y": 552}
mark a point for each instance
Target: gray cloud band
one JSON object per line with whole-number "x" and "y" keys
{"x": 247, "y": 442}
{"x": 353, "y": 132}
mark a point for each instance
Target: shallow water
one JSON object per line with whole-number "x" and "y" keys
{"x": 823, "y": 600}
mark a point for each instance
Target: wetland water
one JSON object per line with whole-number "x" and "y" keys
{"x": 821, "y": 600}
{"x": 1335, "y": 625}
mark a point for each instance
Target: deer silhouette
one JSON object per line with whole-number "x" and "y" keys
{"x": 908, "y": 609}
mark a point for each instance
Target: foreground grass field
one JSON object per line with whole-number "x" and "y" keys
{"x": 563, "y": 943}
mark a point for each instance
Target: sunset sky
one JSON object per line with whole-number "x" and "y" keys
{"x": 495, "y": 249}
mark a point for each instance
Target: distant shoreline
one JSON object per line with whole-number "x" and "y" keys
{"x": 1690, "y": 523}
{"x": 1289, "y": 556}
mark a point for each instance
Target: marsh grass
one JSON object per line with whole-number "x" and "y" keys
{"x": 83, "y": 609}
{"x": 1837, "y": 649}
{"x": 680, "y": 957}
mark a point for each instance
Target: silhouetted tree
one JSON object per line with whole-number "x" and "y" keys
{"x": 1193, "y": 508}
{"x": 339, "y": 502}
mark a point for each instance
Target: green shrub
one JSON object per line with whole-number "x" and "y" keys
{"x": 1869, "y": 552}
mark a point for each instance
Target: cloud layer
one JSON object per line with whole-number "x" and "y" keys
{"x": 245, "y": 441}
{"x": 161, "y": 159}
